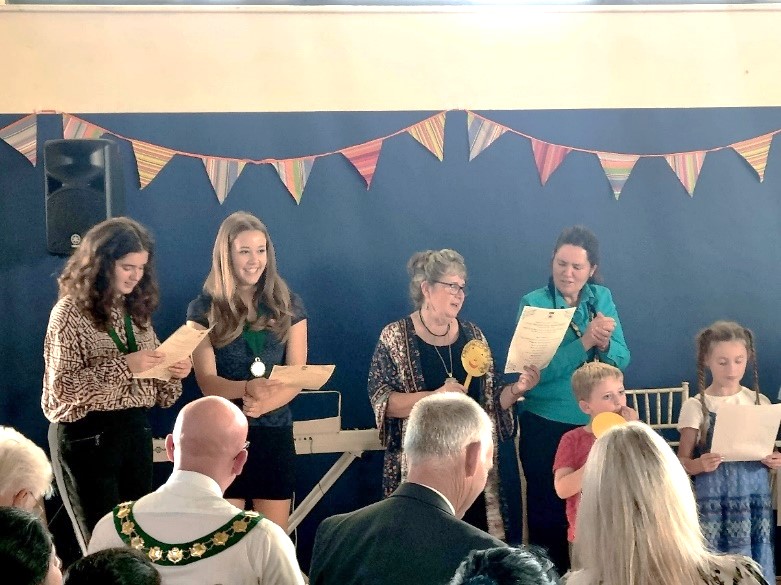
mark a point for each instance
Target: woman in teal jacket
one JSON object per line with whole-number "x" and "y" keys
{"x": 550, "y": 409}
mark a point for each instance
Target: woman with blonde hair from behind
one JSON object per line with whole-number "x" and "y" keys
{"x": 25, "y": 472}
{"x": 638, "y": 523}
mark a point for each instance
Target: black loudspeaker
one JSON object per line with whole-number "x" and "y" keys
{"x": 84, "y": 186}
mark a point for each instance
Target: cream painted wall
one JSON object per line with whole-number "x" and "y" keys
{"x": 201, "y": 59}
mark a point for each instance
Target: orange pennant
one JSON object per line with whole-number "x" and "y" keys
{"x": 431, "y": 134}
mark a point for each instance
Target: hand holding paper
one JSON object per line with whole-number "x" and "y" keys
{"x": 176, "y": 348}
{"x": 746, "y": 432}
{"x": 537, "y": 337}
{"x": 308, "y": 377}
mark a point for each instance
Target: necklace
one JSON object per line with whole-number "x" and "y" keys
{"x": 449, "y": 372}
{"x": 431, "y": 332}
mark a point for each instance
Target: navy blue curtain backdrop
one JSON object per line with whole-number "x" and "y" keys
{"x": 674, "y": 263}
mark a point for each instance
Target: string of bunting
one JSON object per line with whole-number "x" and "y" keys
{"x": 430, "y": 133}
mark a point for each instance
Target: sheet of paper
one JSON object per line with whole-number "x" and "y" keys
{"x": 746, "y": 432}
{"x": 179, "y": 346}
{"x": 537, "y": 337}
{"x": 308, "y": 377}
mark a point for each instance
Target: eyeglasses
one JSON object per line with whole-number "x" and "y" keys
{"x": 454, "y": 288}
{"x": 244, "y": 448}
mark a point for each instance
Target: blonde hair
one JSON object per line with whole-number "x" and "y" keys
{"x": 432, "y": 266}
{"x": 228, "y": 312}
{"x": 705, "y": 340}
{"x": 637, "y": 520}
{"x": 589, "y": 375}
{"x": 23, "y": 465}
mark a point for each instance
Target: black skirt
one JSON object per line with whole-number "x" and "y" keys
{"x": 269, "y": 473}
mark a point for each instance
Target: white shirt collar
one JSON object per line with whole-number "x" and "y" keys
{"x": 195, "y": 479}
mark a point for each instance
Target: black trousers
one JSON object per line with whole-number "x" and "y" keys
{"x": 100, "y": 461}
{"x": 545, "y": 511}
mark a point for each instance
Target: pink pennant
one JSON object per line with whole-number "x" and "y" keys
{"x": 755, "y": 151}
{"x": 364, "y": 158}
{"x": 431, "y": 134}
{"x": 294, "y": 173}
{"x": 150, "y": 160}
{"x": 222, "y": 174}
{"x": 482, "y": 133}
{"x": 73, "y": 127}
{"x": 548, "y": 157}
{"x": 687, "y": 167}
{"x": 617, "y": 168}
{"x": 23, "y": 136}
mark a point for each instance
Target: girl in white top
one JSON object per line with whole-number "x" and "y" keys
{"x": 733, "y": 497}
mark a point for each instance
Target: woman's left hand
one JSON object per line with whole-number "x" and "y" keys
{"x": 528, "y": 380}
{"x": 181, "y": 369}
{"x": 773, "y": 461}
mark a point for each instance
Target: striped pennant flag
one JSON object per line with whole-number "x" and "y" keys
{"x": 482, "y": 133}
{"x": 23, "y": 136}
{"x": 364, "y": 158}
{"x": 222, "y": 173}
{"x": 617, "y": 168}
{"x": 687, "y": 166}
{"x": 73, "y": 127}
{"x": 431, "y": 134}
{"x": 150, "y": 160}
{"x": 755, "y": 152}
{"x": 548, "y": 157}
{"x": 294, "y": 173}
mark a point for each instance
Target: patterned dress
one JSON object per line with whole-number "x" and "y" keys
{"x": 396, "y": 367}
{"x": 736, "y": 509}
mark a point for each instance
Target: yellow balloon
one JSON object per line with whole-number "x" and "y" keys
{"x": 605, "y": 421}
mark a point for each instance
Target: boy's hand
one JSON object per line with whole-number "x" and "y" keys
{"x": 629, "y": 413}
{"x": 710, "y": 462}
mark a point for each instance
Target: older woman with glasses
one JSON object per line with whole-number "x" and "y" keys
{"x": 420, "y": 355}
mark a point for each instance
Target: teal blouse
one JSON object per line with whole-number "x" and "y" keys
{"x": 552, "y": 398}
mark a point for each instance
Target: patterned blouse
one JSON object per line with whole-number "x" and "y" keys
{"x": 85, "y": 372}
{"x": 396, "y": 367}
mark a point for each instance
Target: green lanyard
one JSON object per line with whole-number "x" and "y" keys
{"x": 256, "y": 340}
{"x": 131, "y": 338}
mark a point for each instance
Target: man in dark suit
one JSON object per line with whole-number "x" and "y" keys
{"x": 416, "y": 536}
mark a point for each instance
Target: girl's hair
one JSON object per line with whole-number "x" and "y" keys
{"x": 582, "y": 237}
{"x": 87, "y": 275}
{"x": 25, "y": 547}
{"x": 637, "y": 520}
{"x": 228, "y": 312}
{"x": 432, "y": 266}
{"x": 705, "y": 340}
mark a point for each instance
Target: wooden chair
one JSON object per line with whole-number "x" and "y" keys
{"x": 659, "y": 408}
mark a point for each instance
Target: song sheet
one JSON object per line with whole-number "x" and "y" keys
{"x": 177, "y": 347}
{"x": 537, "y": 337}
{"x": 308, "y": 377}
{"x": 746, "y": 432}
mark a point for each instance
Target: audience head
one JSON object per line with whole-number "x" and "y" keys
{"x": 113, "y": 566}
{"x": 448, "y": 444}
{"x": 575, "y": 260}
{"x": 27, "y": 554}
{"x": 209, "y": 437}
{"x": 115, "y": 257}
{"x": 598, "y": 388}
{"x": 637, "y": 520}
{"x": 506, "y": 566}
{"x": 428, "y": 268}
{"x": 243, "y": 257}
{"x": 25, "y": 472}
